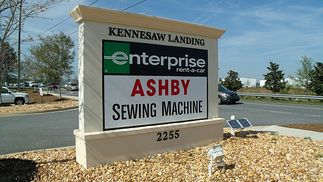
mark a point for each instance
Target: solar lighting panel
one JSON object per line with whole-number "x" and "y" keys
{"x": 234, "y": 124}
{"x": 244, "y": 122}
{"x": 239, "y": 123}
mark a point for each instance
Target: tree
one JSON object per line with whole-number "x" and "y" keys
{"x": 11, "y": 10}
{"x": 275, "y": 78}
{"x": 13, "y": 13}
{"x": 232, "y": 81}
{"x": 54, "y": 56}
{"x": 220, "y": 81}
{"x": 316, "y": 79}
{"x": 8, "y": 60}
{"x": 302, "y": 77}
{"x": 68, "y": 74}
{"x": 31, "y": 68}
{"x": 24, "y": 68}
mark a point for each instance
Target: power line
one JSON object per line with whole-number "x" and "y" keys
{"x": 73, "y": 32}
{"x": 94, "y": 2}
{"x": 54, "y": 25}
{"x": 118, "y": 4}
{"x": 134, "y": 5}
{"x": 208, "y": 11}
{"x": 90, "y": 5}
{"x": 113, "y": 7}
{"x": 63, "y": 20}
{"x": 71, "y": 28}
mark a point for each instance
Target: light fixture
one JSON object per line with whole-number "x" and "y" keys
{"x": 216, "y": 154}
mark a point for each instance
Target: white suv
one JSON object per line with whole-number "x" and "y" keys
{"x": 10, "y": 97}
{"x": 33, "y": 84}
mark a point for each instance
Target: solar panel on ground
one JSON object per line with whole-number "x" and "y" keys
{"x": 238, "y": 124}
{"x": 244, "y": 122}
{"x": 234, "y": 124}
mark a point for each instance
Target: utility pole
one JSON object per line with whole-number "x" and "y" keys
{"x": 19, "y": 34}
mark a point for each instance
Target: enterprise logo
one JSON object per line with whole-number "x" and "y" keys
{"x": 149, "y": 59}
{"x": 155, "y": 60}
{"x": 115, "y": 57}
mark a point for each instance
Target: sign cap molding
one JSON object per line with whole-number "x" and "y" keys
{"x": 89, "y": 13}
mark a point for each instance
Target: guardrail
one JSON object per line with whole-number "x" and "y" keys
{"x": 289, "y": 96}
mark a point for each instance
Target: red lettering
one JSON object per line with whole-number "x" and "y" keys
{"x": 137, "y": 89}
{"x": 185, "y": 85}
{"x": 174, "y": 87}
{"x": 152, "y": 90}
{"x": 162, "y": 87}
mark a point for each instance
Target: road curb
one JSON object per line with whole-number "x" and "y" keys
{"x": 57, "y": 148}
{"x": 37, "y": 112}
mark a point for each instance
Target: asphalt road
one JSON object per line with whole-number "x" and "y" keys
{"x": 266, "y": 114}
{"x": 37, "y": 131}
{"x": 55, "y": 129}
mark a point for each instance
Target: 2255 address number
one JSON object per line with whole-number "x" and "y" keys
{"x": 167, "y": 135}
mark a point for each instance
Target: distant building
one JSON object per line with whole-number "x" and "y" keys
{"x": 262, "y": 83}
{"x": 249, "y": 82}
{"x": 289, "y": 82}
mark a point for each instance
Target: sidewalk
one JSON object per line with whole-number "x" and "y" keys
{"x": 289, "y": 131}
{"x": 66, "y": 96}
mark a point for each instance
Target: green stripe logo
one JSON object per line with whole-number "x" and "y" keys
{"x": 116, "y": 58}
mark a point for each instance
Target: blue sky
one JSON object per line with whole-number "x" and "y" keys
{"x": 257, "y": 32}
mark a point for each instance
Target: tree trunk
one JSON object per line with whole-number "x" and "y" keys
{"x": 60, "y": 93}
{"x": 59, "y": 87}
{"x": 0, "y": 92}
{"x": 47, "y": 85}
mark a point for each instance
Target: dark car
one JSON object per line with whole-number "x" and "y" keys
{"x": 52, "y": 85}
{"x": 227, "y": 96}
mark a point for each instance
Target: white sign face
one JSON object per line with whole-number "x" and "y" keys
{"x": 147, "y": 84}
{"x": 145, "y": 100}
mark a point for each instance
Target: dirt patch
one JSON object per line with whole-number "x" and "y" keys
{"x": 35, "y": 97}
{"x": 311, "y": 127}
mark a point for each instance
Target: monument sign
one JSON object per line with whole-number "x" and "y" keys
{"x": 148, "y": 85}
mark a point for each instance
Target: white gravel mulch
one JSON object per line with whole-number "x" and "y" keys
{"x": 38, "y": 107}
{"x": 250, "y": 156}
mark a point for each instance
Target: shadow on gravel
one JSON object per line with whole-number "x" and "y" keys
{"x": 17, "y": 170}
{"x": 243, "y": 134}
{"x": 62, "y": 99}
{"x": 5, "y": 105}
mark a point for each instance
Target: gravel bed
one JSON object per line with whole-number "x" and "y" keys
{"x": 249, "y": 156}
{"x": 12, "y": 109}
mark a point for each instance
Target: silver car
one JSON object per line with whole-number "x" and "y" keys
{"x": 10, "y": 97}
